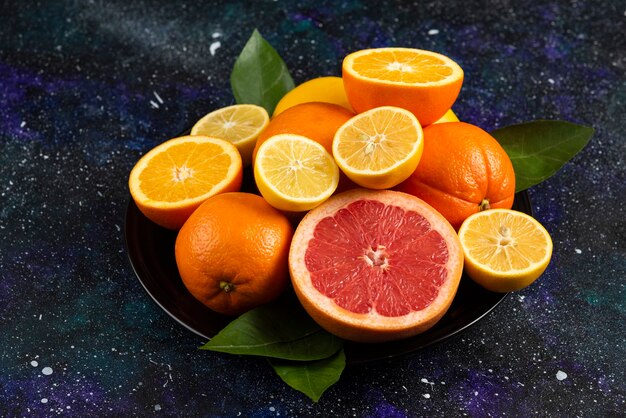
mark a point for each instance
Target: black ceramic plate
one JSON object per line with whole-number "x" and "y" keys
{"x": 151, "y": 252}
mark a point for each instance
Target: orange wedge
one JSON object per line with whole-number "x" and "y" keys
{"x": 175, "y": 177}
{"x": 424, "y": 82}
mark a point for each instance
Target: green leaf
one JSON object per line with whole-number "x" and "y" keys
{"x": 260, "y": 76}
{"x": 279, "y": 330}
{"x": 540, "y": 148}
{"x": 312, "y": 377}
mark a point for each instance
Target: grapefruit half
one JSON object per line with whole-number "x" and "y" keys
{"x": 375, "y": 265}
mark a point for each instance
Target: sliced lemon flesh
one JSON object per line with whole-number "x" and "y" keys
{"x": 238, "y": 124}
{"x": 295, "y": 173}
{"x": 505, "y": 250}
{"x": 379, "y": 148}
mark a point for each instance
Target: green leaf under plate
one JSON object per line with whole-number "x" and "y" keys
{"x": 540, "y": 148}
{"x": 260, "y": 76}
{"x": 312, "y": 377}
{"x": 279, "y": 330}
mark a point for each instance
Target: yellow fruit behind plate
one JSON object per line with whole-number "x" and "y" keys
{"x": 322, "y": 89}
{"x": 238, "y": 124}
{"x": 294, "y": 173}
{"x": 505, "y": 250}
{"x": 380, "y": 148}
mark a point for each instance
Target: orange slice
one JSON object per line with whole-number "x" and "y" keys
{"x": 424, "y": 82}
{"x": 175, "y": 177}
{"x": 379, "y": 148}
{"x": 375, "y": 265}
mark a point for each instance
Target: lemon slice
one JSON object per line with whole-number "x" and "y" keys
{"x": 379, "y": 148}
{"x": 505, "y": 250}
{"x": 294, "y": 173}
{"x": 238, "y": 124}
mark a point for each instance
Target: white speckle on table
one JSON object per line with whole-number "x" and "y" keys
{"x": 34, "y": 363}
{"x": 213, "y": 47}
{"x": 47, "y": 371}
{"x": 551, "y": 81}
{"x": 426, "y": 395}
{"x": 216, "y": 35}
{"x": 157, "y": 97}
{"x": 433, "y": 31}
{"x": 578, "y": 250}
{"x": 22, "y": 124}
{"x": 44, "y": 400}
{"x": 153, "y": 104}
{"x": 157, "y": 407}
{"x": 272, "y": 409}
{"x": 560, "y": 375}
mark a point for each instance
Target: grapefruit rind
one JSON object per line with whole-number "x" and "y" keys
{"x": 371, "y": 326}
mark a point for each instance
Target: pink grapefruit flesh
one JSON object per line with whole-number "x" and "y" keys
{"x": 375, "y": 265}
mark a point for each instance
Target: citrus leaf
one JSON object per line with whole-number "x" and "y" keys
{"x": 540, "y": 148}
{"x": 312, "y": 377}
{"x": 278, "y": 330}
{"x": 260, "y": 76}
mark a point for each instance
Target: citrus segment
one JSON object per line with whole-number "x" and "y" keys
{"x": 224, "y": 231}
{"x": 238, "y": 124}
{"x": 505, "y": 250}
{"x": 424, "y": 82}
{"x": 295, "y": 173}
{"x": 373, "y": 265}
{"x": 322, "y": 89}
{"x": 170, "y": 181}
{"x": 379, "y": 148}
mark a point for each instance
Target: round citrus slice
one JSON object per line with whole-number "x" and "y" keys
{"x": 379, "y": 148}
{"x": 170, "y": 181}
{"x": 505, "y": 250}
{"x": 322, "y": 89}
{"x": 424, "y": 82}
{"x": 294, "y": 173}
{"x": 238, "y": 124}
{"x": 375, "y": 265}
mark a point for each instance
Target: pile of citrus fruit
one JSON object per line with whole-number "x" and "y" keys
{"x": 373, "y": 198}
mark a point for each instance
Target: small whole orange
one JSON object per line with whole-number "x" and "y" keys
{"x": 463, "y": 170}
{"x": 232, "y": 253}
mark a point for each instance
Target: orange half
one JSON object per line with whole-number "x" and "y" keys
{"x": 174, "y": 178}
{"x": 424, "y": 82}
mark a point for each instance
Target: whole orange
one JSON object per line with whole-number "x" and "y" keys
{"x": 463, "y": 170}
{"x": 316, "y": 120}
{"x": 232, "y": 253}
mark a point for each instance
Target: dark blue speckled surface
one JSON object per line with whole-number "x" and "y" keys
{"x": 86, "y": 87}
